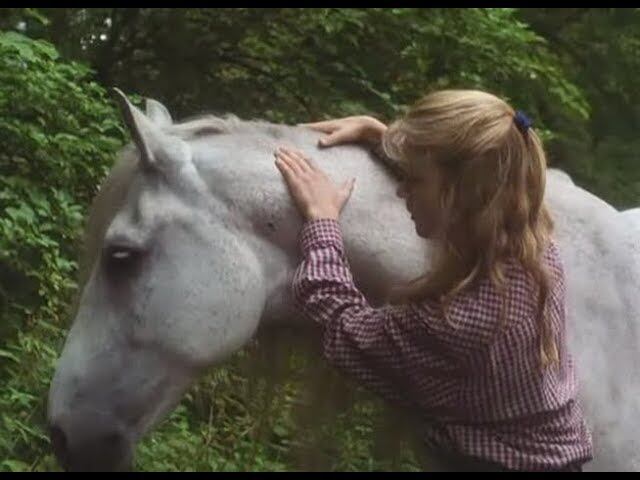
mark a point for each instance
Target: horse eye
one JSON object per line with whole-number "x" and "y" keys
{"x": 121, "y": 254}
{"x": 122, "y": 261}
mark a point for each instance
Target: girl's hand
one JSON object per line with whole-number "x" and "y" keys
{"x": 353, "y": 129}
{"x": 311, "y": 189}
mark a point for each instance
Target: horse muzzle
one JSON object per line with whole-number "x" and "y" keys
{"x": 90, "y": 441}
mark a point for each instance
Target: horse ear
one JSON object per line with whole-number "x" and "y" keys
{"x": 158, "y": 113}
{"x": 145, "y": 133}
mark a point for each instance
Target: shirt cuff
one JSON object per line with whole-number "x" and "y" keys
{"x": 321, "y": 233}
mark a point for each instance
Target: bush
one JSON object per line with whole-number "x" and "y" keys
{"x": 58, "y": 133}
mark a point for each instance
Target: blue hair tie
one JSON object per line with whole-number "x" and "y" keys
{"x": 522, "y": 121}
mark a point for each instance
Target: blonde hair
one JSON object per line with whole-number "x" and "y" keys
{"x": 492, "y": 190}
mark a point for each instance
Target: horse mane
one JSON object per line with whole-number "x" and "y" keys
{"x": 208, "y": 124}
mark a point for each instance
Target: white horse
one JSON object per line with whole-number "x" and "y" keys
{"x": 192, "y": 243}
{"x": 631, "y": 219}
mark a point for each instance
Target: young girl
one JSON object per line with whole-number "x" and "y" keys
{"x": 479, "y": 344}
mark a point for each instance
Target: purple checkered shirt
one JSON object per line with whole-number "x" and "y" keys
{"x": 479, "y": 390}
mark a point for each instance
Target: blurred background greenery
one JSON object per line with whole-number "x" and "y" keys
{"x": 573, "y": 70}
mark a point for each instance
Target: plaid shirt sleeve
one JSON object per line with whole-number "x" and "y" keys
{"x": 373, "y": 345}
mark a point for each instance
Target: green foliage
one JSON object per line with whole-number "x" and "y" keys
{"x": 228, "y": 422}
{"x": 597, "y": 49}
{"x": 58, "y": 134}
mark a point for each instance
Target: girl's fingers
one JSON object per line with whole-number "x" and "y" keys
{"x": 311, "y": 164}
{"x": 299, "y": 159}
{"x": 292, "y": 152}
{"x": 326, "y": 126}
{"x": 308, "y": 163}
{"x": 290, "y": 177}
{"x": 304, "y": 161}
{"x": 347, "y": 188}
{"x": 343, "y": 135}
{"x": 291, "y": 162}
{"x": 284, "y": 169}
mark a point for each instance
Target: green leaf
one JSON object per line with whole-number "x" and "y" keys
{"x": 9, "y": 355}
{"x": 15, "y": 466}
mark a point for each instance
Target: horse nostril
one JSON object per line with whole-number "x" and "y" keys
{"x": 102, "y": 452}
{"x": 59, "y": 444}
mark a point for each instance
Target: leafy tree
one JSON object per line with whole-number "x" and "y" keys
{"x": 598, "y": 49}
